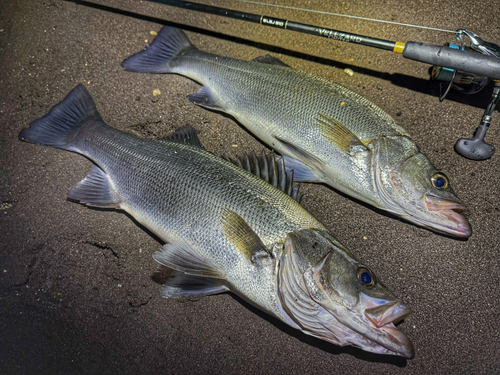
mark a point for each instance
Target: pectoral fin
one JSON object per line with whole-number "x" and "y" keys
{"x": 242, "y": 237}
{"x": 339, "y": 135}
{"x": 183, "y": 285}
{"x": 181, "y": 256}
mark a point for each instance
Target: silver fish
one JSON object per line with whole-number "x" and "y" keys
{"x": 226, "y": 229}
{"x": 326, "y": 132}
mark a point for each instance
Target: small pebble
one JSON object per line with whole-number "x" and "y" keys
{"x": 342, "y": 104}
{"x": 156, "y": 92}
{"x": 234, "y": 146}
{"x": 365, "y": 238}
{"x": 349, "y": 72}
{"x": 379, "y": 87}
{"x": 154, "y": 33}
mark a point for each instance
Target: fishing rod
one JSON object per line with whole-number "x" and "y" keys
{"x": 454, "y": 65}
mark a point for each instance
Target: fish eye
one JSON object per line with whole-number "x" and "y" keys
{"x": 439, "y": 181}
{"x": 366, "y": 277}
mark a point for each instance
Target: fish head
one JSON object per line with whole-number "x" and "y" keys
{"x": 411, "y": 187}
{"x": 330, "y": 295}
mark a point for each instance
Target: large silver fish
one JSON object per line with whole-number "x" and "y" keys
{"x": 226, "y": 229}
{"x": 326, "y": 132}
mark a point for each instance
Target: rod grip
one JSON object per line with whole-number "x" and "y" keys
{"x": 466, "y": 61}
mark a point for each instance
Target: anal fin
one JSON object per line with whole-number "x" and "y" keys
{"x": 205, "y": 98}
{"x": 183, "y": 285}
{"x": 95, "y": 190}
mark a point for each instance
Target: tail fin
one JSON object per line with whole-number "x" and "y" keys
{"x": 156, "y": 57}
{"x": 54, "y": 128}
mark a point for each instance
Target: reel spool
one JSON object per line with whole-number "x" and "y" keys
{"x": 468, "y": 83}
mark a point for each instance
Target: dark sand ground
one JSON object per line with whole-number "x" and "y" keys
{"x": 79, "y": 290}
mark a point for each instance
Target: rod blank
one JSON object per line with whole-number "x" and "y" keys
{"x": 466, "y": 61}
{"x": 282, "y": 24}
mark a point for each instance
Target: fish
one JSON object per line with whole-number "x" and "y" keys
{"x": 226, "y": 230}
{"x": 325, "y": 132}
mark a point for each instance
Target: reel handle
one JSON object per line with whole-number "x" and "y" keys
{"x": 476, "y": 148}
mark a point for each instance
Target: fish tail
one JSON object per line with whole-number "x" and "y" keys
{"x": 61, "y": 124}
{"x": 156, "y": 58}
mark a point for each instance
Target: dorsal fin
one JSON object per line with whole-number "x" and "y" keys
{"x": 270, "y": 168}
{"x": 270, "y": 60}
{"x": 339, "y": 135}
{"x": 186, "y": 136}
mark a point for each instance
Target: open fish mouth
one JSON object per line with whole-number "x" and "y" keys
{"x": 387, "y": 314}
{"x": 383, "y": 318}
{"x": 453, "y": 222}
{"x": 307, "y": 305}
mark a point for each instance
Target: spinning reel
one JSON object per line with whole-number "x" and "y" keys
{"x": 465, "y": 82}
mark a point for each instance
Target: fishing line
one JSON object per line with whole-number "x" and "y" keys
{"x": 344, "y": 15}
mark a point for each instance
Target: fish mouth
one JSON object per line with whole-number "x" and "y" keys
{"x": 382, "y": 319}
{"x": 454, "y": 223}
{"x": 305, "y": 305}
{"x": 404, "y": 346}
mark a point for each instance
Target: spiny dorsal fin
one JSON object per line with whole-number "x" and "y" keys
{"x": 339, "y": 135}
{"x": 181, "y": 256}
{"x": 270, "y": 168}
{"x": 242, "y": 237}
{"x": 95, "y": 190}
{"x": 270, "y": 60}
{"x": 186, "y": 136}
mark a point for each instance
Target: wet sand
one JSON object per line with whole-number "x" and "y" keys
{"x": 79, "y": 290}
